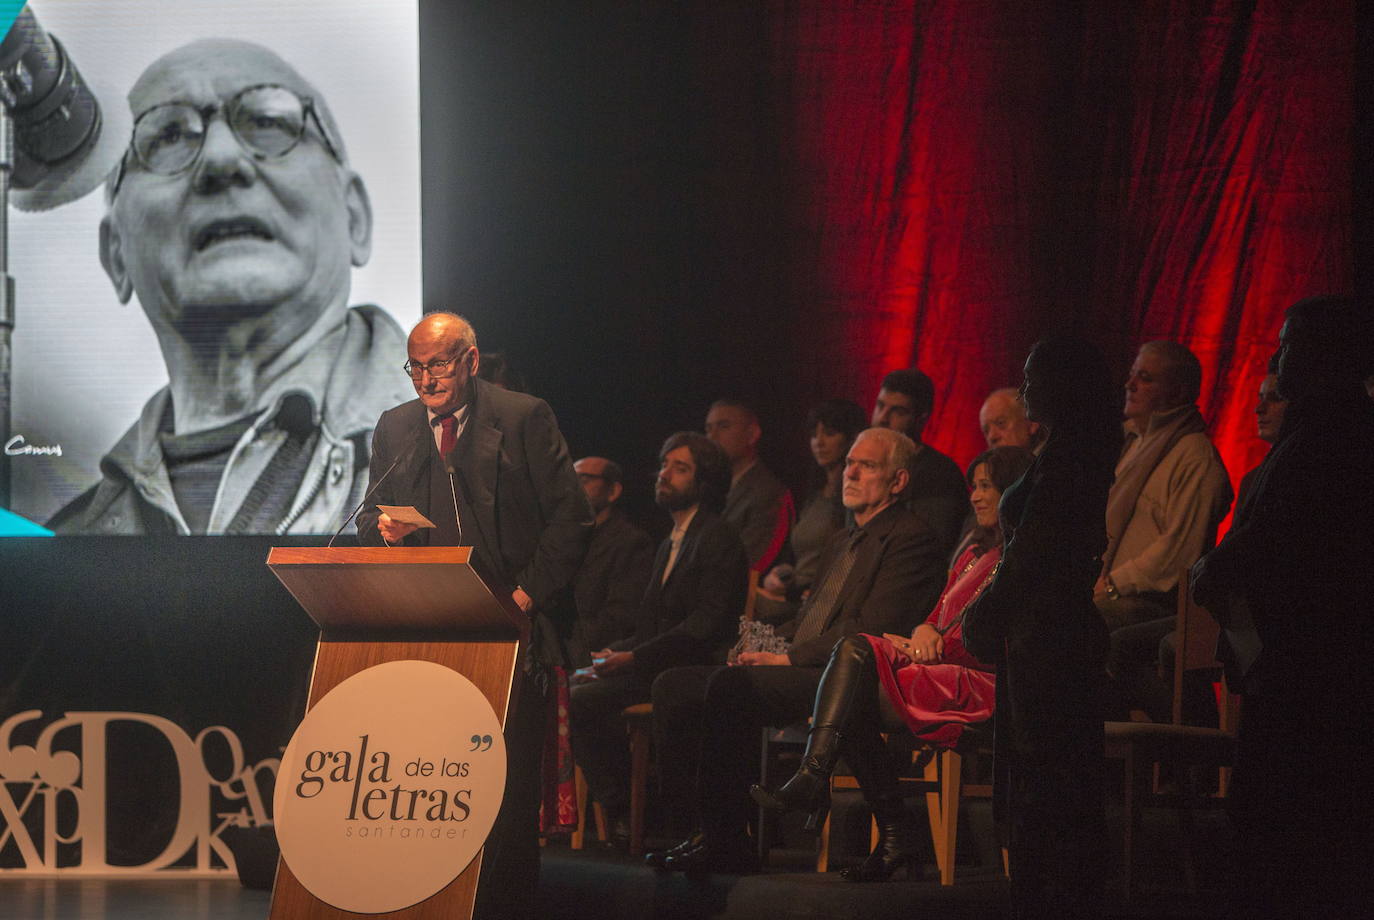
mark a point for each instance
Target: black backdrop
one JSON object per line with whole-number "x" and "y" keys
{"x": 602, "y": 218}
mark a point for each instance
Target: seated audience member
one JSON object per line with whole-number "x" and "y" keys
{"x": 930, "y": 682}
{"x": 1153, "y": 691}
{"x": 497, "y": 370}
{"x": 1269, "y": 413}
{"x": 832, "y": 426}
{"x": 1170, "y": 493}
{"x": 759, "y": 505}
{"x": 1292, "y": 580}
{"x": 936, "y": 493}
{"x": 687, "y": 615}
{"x": 611, "y": 581}
{"x": 1004, "y": 423}
{"x": 873, "y": 578}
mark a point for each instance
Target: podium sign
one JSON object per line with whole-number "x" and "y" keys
{"x": 391, "y": 784}
{"x": 389, "y": 787}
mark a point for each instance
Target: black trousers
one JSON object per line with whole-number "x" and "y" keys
{"x": 1137, "y": 652}
{"x": 598, "y": 735}
{"x": 510, "y": 861}
{"x": 1051, "y": 771}
{"x": 706, "y": 724}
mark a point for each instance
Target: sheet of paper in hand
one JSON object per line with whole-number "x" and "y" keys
{"x": 405, "y": 514}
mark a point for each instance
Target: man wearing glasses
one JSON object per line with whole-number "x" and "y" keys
{"x": 235, "y": 219}
{"x": 490, "y": 469}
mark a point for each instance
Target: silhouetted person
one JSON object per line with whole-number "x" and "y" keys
{"x": 1037, "y": 622}
{"x": 1295, "y": 577}
{"x": 497, "y": 370}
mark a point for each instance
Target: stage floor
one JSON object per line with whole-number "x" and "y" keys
{"x": 594, "y": 884}
{"x": 130, "y": 899}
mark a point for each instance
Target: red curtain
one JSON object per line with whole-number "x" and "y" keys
{"x": 971, "y": 175}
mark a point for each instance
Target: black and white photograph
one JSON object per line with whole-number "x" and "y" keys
{"x": 204, "y": 338}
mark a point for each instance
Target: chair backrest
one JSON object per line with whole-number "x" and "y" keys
{"x": 1195, "y": 643}
{"x": 751, "y": 596}
{"x": 1195, "y": 648}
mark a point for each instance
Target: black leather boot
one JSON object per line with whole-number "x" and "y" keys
{"x": 877, "y": 775}
{"x": 848, "y": 686}
{"x": 896, "y": 845}
{"x": 809, "y": 788}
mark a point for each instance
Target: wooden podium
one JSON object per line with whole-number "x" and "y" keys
{"x": 376, "y": 605}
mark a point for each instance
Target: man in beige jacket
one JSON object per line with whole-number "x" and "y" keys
{"x": 1171, "y": 492}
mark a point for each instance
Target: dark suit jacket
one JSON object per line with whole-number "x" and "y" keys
{"x": 760, "y": 508}
{"x": 938, "y": 495}
{"x": 532, "y": 521}
{"x": 610, "y": 585}
{"x": 691, "y": 618}
{"x": 893, "y": 585}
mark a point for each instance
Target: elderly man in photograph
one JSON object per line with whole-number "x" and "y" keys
{"x": 236, "y": 220}
{"x": 491, "y": 470}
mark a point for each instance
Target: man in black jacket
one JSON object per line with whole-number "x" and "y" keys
{"x": 491, "y": 470}
{"x": 612, "y": 578}
{"x": 695, "y": 595}
{"x": 936, "y": 492}
{"x": 884, "y": 575}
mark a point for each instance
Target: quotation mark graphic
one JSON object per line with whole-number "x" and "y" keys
{"x": 481, "y": 741}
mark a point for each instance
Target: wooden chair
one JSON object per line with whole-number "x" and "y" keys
{"x": 598, "y": 813}
{"x": 639, "y": 725}
{"x": 774, "y": 744}
{"x": 639, "y": 720}
{"x": 943, "y": 783}
{"x": 1141, "y": 746}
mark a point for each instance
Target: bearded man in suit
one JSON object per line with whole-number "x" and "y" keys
{"x": 695, "y": 595}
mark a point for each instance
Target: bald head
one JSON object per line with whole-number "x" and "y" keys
{"x": 1003, "y": 420}
{"x": 601, "y": 480}
{"x": 444, "y": 329}
{"x": 223, "y": 234}
{"x": 443, "y": 359}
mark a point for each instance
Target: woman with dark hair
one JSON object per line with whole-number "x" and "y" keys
{"x": 832, "y": 426}
{"x": 1037, "y": 621}
{"x": 929, "y": 682}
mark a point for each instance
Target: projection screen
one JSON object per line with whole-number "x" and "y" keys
{"x": 267, "y": 280}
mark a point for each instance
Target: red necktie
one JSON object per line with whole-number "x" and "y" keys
{"x": 448, "y": 438}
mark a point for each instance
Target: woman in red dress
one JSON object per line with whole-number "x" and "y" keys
{"x": 929, "y": 682}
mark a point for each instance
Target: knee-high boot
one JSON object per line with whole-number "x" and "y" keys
{"x": 848, "y": 687}
{"x": 868, "y": 757}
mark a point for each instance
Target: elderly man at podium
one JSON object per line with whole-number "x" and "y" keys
{"x": 490, "y": 469}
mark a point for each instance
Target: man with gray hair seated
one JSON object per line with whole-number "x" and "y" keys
{"x": 882, "y": 575}
{"x": 1004, "y": 424}
{"x": 1170, "y": 493}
